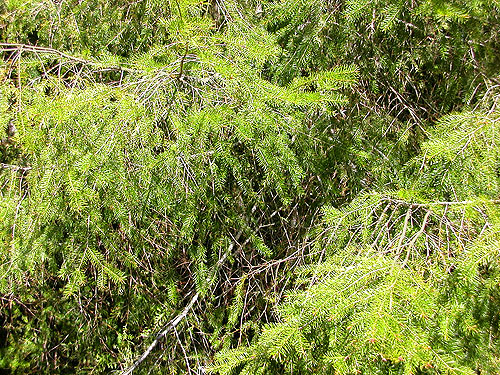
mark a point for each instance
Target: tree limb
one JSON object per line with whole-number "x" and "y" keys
{"x": 14, "y": 167}
{"x": 17, "y": 47}
{"x": 174, "y": 322}
{"x": 170, "y": 326}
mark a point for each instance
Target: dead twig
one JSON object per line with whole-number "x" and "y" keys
{"x": 169, "y": 327}
{"x": 18, "y": 48}
{"x": 14, "y": 167}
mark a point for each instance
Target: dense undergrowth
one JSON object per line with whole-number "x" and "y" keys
{"x": 259, "y": 187}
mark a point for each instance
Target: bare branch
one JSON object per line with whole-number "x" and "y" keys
{"x": 14, "y": 167}
{"x": 15, "y": 47}
{"x": 169, "y": 327}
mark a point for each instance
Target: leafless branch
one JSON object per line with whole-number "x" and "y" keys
{"x": 169, "y": 327}
{"x": 15, "y": 47}
{"x": 14, "y": 167}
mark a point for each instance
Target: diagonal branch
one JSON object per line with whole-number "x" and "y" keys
{"x": 169, "y": 327}
{"x": 174, "y": 322}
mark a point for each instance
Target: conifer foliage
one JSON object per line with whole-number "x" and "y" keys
{"x": 409, "y": 283}
{"x": 234, "y": 187}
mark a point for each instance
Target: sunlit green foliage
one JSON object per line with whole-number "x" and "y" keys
{"x": 408, "y": 284}
{"x": 321, "y": 177}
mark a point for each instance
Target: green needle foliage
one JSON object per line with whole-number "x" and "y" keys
{"x": 147, "y": 172}
{"x": 249, "y": 187}
{"x": 409, "y": 284}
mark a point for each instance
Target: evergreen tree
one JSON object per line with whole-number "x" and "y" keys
{"x": 409, "y": 283}
{"x": 249, "y": 186}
